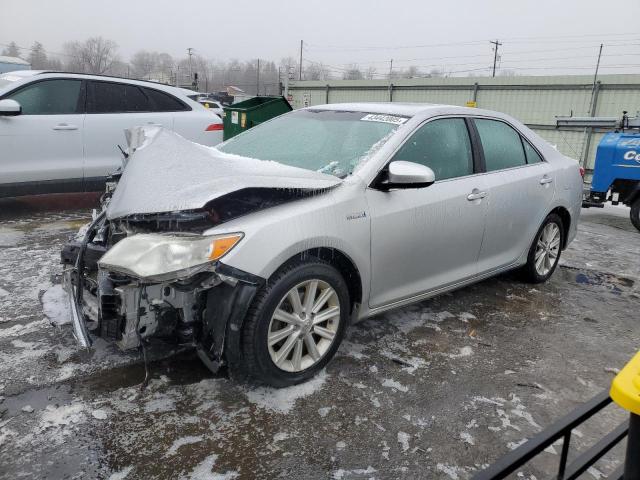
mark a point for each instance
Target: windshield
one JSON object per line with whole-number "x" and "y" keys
{"x": 330, "y": 142}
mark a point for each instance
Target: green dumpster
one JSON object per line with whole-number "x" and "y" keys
{"x": 242, "y": 116}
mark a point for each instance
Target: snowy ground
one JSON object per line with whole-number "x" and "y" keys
{"x": 436, "y": 390}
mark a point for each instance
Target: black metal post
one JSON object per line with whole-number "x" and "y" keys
{"x": 632, "y": 460}
{"x": 564, "y": 454}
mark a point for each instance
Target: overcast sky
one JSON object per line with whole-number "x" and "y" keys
{"x": 449, "y": 34}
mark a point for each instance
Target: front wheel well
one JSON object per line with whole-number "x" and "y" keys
{"x": 341, "y": 262}
{"x": 565, "y": 216}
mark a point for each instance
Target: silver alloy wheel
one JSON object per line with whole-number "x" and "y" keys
{"x": 304, "y": 325}
{"x": 547, "y": 248}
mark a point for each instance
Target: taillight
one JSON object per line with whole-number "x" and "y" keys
{"x": 582, "y": 172}
{"x": 214, "y": 127}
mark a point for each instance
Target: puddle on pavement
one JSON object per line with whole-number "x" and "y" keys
{"x": 38, "y": 399}
{"x": 613, "y": 283}
{"x": 181, "y": 369}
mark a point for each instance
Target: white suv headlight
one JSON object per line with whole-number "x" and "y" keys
{"x": 165, "y": 257}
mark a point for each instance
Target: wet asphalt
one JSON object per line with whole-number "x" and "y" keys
{"x": 439, "y": 389}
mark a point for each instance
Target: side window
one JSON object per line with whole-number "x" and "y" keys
{"x": 163, "y": 102}
{"x": 442, "y": 145}
{"x": 532, "y": 155}
{"x": 501, "y": 144}
{"x": 110, "y": 97}
{"x": 50, "y": 97}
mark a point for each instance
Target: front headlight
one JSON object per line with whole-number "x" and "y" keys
{"x": 161, "y": 257}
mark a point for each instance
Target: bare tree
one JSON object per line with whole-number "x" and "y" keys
{"x": 370, "y": 73}
{"x": 38, "y": 57}
{"x": 11, "y": 50}
{"x": 412, "y": 72}
{"x": 352, "y": 73}
{"x": 144, "y": 63}
{"x": 315, "y": 71}
{"x": 94, "y": 55}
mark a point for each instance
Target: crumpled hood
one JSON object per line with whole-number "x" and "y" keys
{"x": 167, "y": 173}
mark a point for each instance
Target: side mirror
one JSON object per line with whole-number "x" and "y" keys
{"x": 401, "y": 174}
{"x": 10, "y": 108}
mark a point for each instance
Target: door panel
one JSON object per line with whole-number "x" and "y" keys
{"x": 520, "y": 189}
{"x": 422, "y": 239}
{"x": 113, "y": 108}
{"x": 45, "y": 141}
{"x": 517, "y": 202}
{"x": 105, "y": 131}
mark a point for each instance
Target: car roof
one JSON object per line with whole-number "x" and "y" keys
{"x": 409, "y": 109}
{"x": 146, "y": 83}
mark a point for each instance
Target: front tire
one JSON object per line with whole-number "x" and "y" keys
{"x": 295, "y": 324}
{"x": 545, "y": 250}
{"x": 635, "y": 213}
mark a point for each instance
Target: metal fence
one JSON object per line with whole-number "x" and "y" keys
{"x": 535, "y": 101}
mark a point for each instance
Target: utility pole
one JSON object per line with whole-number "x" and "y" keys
{"x": 595, "y": 79}
{"x": 300, "y": 67}
{"x": 190, "y": 52}
{"x": 258, "y": 79}
{"x": 390, "y": 69}
{"x": 495, "y": 55}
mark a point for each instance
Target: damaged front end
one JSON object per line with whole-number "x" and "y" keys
{"x": 148, "y": 265}
{"x": 127, "y": 284}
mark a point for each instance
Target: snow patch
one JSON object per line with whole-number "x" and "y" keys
{"x": 403, "y": 440}
{"x": 64, "y": 415}
{"x": 450, "y": 470}
{"x": 390, "y": 383}
{"x": 99, "y": 414}
{"x": 189, "y": 440}
{"x": 282, "y": 400}
{"x": 466, "y": 437}
{"x": 122, "y": 474}
{"x": 324, "y": 411}
{"x": 203, "y": 471}
{"x": 340, "y": 473}
{"x": 55, "y": 305}
{"x": 19, "y": 330}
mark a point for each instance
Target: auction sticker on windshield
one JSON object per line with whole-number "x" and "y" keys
{"x": 377, "y": 117}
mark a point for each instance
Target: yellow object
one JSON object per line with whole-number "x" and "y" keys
{"x": 206, "y": 105}
{"x": 243, "y": 119}
{"x": 222, "y": 245}
{"x": 625, "y": 388}
{"x": 472, "y": 103}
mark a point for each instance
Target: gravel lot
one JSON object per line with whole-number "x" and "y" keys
{"x": 435, "y": 390}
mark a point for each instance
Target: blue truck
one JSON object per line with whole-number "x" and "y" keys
{"x": 616, "y": 174}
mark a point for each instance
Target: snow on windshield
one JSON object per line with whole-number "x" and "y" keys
{"x": 331, "y": 142}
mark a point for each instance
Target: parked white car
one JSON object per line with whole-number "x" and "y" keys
{"x": 59, "y": 132}
{"x": 213, "y": 106}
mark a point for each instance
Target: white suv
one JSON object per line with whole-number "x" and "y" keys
{"x": 59, "y": 132}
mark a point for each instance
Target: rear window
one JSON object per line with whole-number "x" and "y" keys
{"x": 501, "y": 144}
{"x": 164, "y": 102}
{"x": 109, "y": 97}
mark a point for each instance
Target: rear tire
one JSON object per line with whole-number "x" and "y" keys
{"x": 635, "y": 213}
{"x": 545, "y": 250}
{"x": 281, "y": 345}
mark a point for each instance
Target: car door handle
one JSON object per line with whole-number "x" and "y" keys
{"x": 544, "y": 180}
{"x": 65, "y": 126}
{"x": 476, "y": 195}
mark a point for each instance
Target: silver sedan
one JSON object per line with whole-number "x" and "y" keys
{"x": 260, "y": 251}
